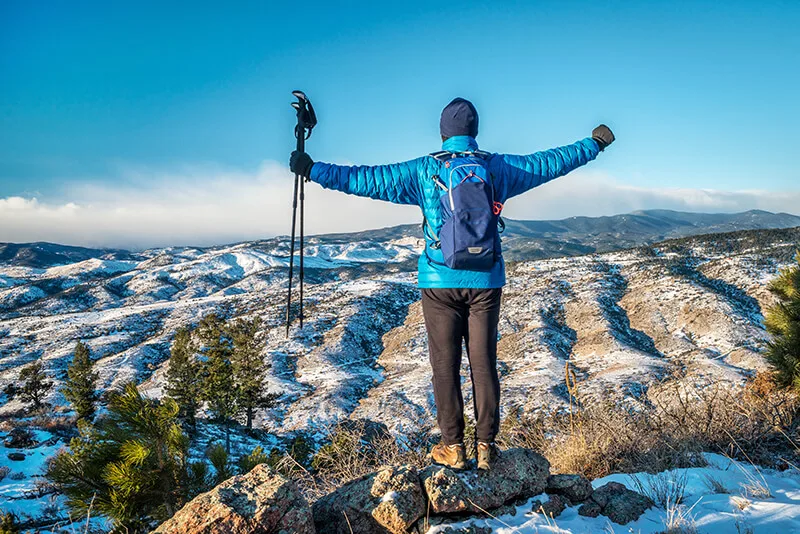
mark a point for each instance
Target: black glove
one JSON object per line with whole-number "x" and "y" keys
{"x": 603, "y": 135}
{"x": 301, "y": 163}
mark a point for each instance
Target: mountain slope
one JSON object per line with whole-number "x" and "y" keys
{"x": 620, "y": 320}
{"x": 522, "y": 240}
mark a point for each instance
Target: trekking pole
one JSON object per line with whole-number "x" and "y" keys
{"x": 306, "y": 120}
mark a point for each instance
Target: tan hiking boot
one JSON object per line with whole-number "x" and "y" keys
{"x": 450, "y": 455}
{"x": 487, "y": 452}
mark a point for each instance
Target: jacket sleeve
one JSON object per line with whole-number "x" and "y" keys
{"x": 521, "y": 173}
{"x": 396, "y": 183}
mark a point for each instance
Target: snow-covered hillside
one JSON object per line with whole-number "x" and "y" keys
{"x": 621, "y": 319}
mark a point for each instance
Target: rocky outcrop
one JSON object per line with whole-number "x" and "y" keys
{"x": 390, "y": 500}
{"x": 516, "y": 474}
{"x": 396, "y": 500}
{"x": 260, "y": 502}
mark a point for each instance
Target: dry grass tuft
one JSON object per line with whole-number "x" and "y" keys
{"x": 679, "y": 520}
{"x": 714, "y": 484}
{"x": 666, "y": 489}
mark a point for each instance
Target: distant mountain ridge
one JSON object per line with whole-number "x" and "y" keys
{"x": 522, "y": 240}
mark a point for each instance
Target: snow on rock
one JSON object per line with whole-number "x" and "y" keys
{"x": 711, "y": 513}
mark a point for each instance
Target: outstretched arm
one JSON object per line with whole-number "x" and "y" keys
{"x": 521, "y": 173}
{"x": 393, "y": 183}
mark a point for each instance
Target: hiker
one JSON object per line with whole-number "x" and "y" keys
{"x": 461, "y": 191}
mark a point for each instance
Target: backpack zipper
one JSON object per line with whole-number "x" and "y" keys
{"x": 450, "y": 191}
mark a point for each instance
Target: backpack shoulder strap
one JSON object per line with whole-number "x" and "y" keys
{"x": 442, "y": 155}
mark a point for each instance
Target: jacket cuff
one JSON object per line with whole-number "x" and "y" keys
{"x": 592, "y": 144}
{"x": 314, "y": 172}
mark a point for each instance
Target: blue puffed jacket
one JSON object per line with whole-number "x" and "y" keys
{"x": 412, "y": 182}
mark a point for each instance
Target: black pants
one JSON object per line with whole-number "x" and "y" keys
{"x": 472, "y": 315}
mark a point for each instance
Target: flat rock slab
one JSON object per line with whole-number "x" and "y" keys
{"x": 390, "y": 500}
{"x": 260, "y": 502}
{"x": 516, "y": 474}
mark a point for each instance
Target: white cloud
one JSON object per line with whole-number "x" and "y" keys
{"x": 206, "y": 206}
{"x": 589, "y": 193}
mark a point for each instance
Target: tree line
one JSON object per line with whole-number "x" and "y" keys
{"x": 131, "y": 462}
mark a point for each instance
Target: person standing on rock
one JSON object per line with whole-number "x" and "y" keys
{"x": 461, "y": 191}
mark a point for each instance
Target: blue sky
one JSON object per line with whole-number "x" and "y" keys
{"x": 99, "y": 100}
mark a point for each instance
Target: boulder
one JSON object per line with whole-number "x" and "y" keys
{"x": 590, "y": 509}
{"x": 576, "y": 488}
{"x": 390, "y": 500}
{"x": 551, "y": 508}
{"x": 620, "y": 504}
{"x": 260, "y": 502}
{"x": 16, "y": 456}
{"x": 516, "y": 474}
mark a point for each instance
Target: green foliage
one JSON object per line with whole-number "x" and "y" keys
{"x": 218, "y": 386}
{"x": 35, "y": 385}
{"x": 249, "y": 368}
{"x": 79, "y": 386}
{"x": 256, "y": 457}
{"x": 301, "y": 450}
{"x": 218, "y": 456}
{"x": 9, "y": 524}
{"x": 184, "y": 379}
{"x": 132, "y": 467}
{"x": 783, "y": 323}
{"x": 197, "y": 480}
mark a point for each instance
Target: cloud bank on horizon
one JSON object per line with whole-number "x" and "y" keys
{"x": 211, "y": 206}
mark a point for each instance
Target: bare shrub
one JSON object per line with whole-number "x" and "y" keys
{"x": 356, "y": 448}
{"x": 670, "y": 428}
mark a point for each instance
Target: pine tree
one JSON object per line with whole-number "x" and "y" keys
{"x": 132, "y": 467}
{"x": 79, "y": 386}
{"x": 219, "y": 458}
{"x": 9, "y": 523}
{"x": 219, "y": 388}
{"x": 183, "y": 376}
{"x": 35, "y": 385}
{"x": 783, "y": 323}
{"x": 249, "y": 368}
{"x": 256, "y": 457}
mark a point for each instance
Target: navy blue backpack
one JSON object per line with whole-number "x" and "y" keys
{"x": 469, "y": 238}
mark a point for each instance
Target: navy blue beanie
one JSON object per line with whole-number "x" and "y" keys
{"x": 459, "y": 117}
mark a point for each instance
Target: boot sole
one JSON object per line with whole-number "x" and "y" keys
{"x": 463, "y": 467}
